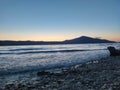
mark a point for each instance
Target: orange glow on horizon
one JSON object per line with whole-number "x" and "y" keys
{"x": 56, "y": 37}
{"x": 52, "y": 38}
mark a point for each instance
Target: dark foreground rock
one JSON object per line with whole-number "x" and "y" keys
{"x": 43, "y": 73}
{"x": 95, "y": 75}
{"x": 113, "y": 51}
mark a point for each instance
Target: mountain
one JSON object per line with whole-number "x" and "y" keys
{"x": 79, "y": 40}
{"x": 85, "y": 39}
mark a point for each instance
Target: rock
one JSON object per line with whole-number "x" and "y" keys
{"x": 9, "y": 86}
{"x": 47, "y": 85}
{"x": 95, "y": 61}
{"x": 78, "y": 84}
{"x": 58, "y": 74}
{"x": 50, "y": 73}
{"x": 76, "y": 66}
{"x": 20, "y": 86}
{"x": 64, "y": 87}
{"x": 116, "y": 86}
{"x": 87, "y": 80}
{"x": 60, "y": 81}
{"x": 110, "y": 88}
{"x": 113, "y": 51}
{"x": 104, "y": 86}
{"x": 73, "y": 71}
{"x": 1, "y": 89}
{"x": 43, "y": 73}
{"x": 55, "y": 89}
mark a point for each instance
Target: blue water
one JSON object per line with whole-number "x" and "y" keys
{"x": 18, "y": 63}
{"x": 27, "y": 58}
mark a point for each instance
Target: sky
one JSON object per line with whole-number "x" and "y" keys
{"x": 58, "y": 20}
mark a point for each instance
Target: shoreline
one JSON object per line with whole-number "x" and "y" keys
{"x": 95, "y": 75}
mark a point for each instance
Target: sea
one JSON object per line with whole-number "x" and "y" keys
{"x": 16, "y": 60}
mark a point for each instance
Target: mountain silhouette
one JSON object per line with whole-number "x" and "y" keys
{"x": 79, "y": 40}
{"x": 86, "y": 39}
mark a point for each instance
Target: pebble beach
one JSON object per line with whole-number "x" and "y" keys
{"x": 94, "y": 75}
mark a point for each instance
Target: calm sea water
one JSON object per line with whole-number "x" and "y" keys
{"x": 27, "y": 58}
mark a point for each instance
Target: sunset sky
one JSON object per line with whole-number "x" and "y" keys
{"x": 57, "y": 20}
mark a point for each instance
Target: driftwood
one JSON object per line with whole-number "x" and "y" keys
{"x": 113, "y": 51}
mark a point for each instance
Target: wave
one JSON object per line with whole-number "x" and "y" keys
{"x": 27, "y": 49}
{"x": 30, "y": 63}
{"x": 53, "y": 51}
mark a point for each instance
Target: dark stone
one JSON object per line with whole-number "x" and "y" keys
{"x": 73, "y": 71}
{"x": 1, "y": 89}
{"x": 43, "y": 73}
{"x": 113, "y": 51}
{"x": 88, "y": 71}
{"x": 9, "y": 86}
{"x": 59, "y": 82}
{"x": 49, "y": 73}
{"x": 21, "y": 85}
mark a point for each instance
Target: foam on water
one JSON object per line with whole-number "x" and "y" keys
{"x": 63, "y": 56}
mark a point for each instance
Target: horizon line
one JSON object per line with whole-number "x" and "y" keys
{"x": 59, "y": 40}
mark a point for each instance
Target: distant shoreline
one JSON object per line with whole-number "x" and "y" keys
{"x": 48, "y": 44}
{"x": 79, "y": 40}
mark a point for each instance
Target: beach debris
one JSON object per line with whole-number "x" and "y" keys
{"x": 113, "y": 51}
